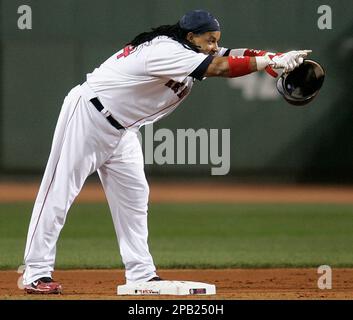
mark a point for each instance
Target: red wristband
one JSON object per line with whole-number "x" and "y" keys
{"x": 238, "y": 66}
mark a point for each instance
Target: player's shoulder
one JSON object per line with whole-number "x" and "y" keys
{"x": 167, "y": 42}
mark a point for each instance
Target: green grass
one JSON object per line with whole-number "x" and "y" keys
{"x": 202, "y": 235}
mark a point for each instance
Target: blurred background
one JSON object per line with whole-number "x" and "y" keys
{"x": 271, "y": 141}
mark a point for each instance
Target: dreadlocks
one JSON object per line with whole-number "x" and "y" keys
{"x": 173, "y": 31}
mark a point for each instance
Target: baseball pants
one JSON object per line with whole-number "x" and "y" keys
{"x": 85, "y": 142}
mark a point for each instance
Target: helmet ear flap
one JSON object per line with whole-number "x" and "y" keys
{"x": 301, "y": 85}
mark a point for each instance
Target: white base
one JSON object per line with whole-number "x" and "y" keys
{"x": 167, "y": 287}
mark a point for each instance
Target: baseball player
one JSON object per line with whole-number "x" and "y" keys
{"x": 97, "y": 131}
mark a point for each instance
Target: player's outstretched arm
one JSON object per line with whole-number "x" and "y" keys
{"x": 225, "y": 67}
{"x": 237, "y": 66}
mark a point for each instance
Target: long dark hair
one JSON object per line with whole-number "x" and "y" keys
{"x": 172, "y": 31}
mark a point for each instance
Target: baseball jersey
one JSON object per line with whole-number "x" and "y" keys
{"x": 143, "y": 84}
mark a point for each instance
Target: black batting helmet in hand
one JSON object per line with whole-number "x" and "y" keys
{"x": 301, "y": 85}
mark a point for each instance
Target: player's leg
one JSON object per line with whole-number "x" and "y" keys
{"x": 80, "y": 135}
{"x": 127, "y": 191}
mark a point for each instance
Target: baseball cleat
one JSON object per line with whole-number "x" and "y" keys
{"x": 43, "y": 285}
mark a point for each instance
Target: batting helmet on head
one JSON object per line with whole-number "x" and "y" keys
{"x": 301, "y": 85}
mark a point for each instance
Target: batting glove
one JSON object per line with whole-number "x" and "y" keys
{"x": 289, "y": 60}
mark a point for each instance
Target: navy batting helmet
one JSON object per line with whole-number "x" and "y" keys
{"x": 301, "y": 85}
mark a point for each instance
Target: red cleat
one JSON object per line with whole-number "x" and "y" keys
{"x": 43, "y": 285}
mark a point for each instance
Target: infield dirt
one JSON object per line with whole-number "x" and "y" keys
{"x": 250, "y": 284}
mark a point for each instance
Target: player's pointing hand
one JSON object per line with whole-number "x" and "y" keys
{"x": 290, "y": 60}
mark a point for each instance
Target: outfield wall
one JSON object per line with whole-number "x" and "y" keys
{"x": 268, "y": 137}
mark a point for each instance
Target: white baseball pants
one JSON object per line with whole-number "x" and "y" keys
{"x": 85, "y": 142}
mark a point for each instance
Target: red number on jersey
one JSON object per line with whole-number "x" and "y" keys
{"x": 126, "y": 51}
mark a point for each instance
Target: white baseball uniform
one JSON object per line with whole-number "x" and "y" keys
{"x": 136, "y": 87}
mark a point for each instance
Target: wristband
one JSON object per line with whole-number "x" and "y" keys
{"x": 239, "y": 66}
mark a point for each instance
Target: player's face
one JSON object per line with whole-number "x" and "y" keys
{"x": 207, "y": 42}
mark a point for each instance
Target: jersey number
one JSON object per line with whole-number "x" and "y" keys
{"x": 126, "y": 51}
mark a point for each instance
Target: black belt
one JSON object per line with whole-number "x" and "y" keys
{"x": 100, "y": 107}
